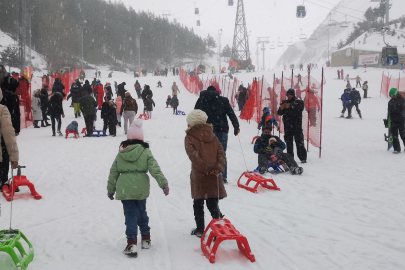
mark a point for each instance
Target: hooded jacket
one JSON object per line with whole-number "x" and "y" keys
{"x": 75, "y": 93}
{"x": 146, "y": 92}
{"x": 73, "y": 126}
{"x": 58, "y": 86}
{"x": 128, "y": 174}
{"x": 87, "y": 88}
{"x": 55, "y": 104}
{"x": 268, "y": 119}
{"x": 217, "y": 108}
{"x": 36, "y": 107}
{"x": 206, "y": 154}
{"x": 149, "y": 103}
{"x": 12, "y": 102}
{"x": 7, "y": 132}
{"x": 345, "y": 98}
{"x": 262, "y": 144}
{"x": 87, "y": 105}
{"x": 174, "y": 102}
{"x": 129, "y": 104}
{"x": 396, "y": 110}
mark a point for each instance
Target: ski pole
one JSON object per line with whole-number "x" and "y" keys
{"x": 12, "y": 194}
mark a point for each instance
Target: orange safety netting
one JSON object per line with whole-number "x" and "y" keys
{"x": 388, "y": 82}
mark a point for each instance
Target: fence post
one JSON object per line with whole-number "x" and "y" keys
{"x": 292, "y": 78}
{"x": 309, "y": 79}
{"x": 382, "y": 80}
{"x": 320, "y": 139}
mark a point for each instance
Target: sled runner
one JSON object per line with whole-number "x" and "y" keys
{"x": 143, "y": 116}
{"x": 259, "y": 180}
{"x": 9, "y": 240}
{"x": 180, "y": 113}
{"x": 70, "y": 132}
{"x": 18, "y": 181}
{"x": 275, "y": 166}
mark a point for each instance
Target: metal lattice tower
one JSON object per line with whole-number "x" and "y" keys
{"x": 240, "y": 48}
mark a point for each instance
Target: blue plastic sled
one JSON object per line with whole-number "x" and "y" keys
{"x": 276, "y": 168}
{"x": 180, "y": 113}
{"x": 103, "y": 134}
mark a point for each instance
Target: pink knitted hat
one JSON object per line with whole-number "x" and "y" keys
{"x": 135, "y": 131}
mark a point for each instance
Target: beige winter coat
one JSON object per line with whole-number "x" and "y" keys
{"x": 8, "y": 133}
{"x": 175, "y": 89}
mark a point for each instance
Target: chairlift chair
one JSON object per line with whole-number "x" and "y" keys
{"x": 389, "y": 56}
{"x": 272, "y": 46}
{"x": 197, "y": 11}
{"x": 301, "y": 12}
{"x": 198, "y": 23}
{"x": 279, "y": 43}
{"x": 230, "y": 3}
{"x": 303, "y": 36}
{"x": 345, "y": 24}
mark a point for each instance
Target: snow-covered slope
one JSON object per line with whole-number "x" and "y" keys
{"x": 38, "y": 61}
{"x": 345, "y": 212}
{"x": 324, "y": 40}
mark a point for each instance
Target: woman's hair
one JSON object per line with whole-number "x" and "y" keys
{"x": 127, "y": 143}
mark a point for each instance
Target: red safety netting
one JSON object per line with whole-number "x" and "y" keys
{"x": 67, "y": 79}
{"x": 388, "y": 82}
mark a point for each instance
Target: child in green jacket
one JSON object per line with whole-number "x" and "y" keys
{"x": 129, "y": 181}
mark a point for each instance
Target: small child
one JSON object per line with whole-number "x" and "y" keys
{"x": 270, "y": 149}
{"x": 207, "y": 163}
{"x": 267, "y": 119}
{"x": 148, "y": 106}
{"x": 345, "y": 102}
{"x": 174, "y": 104}
{"x": 73, "y": 127}
{"x": 168, "y": 101}
{"x": 129, "y": 180}
{"x": 159, "y": 84}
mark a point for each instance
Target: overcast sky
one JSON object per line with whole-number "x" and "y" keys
{"x": 264, "y": 18}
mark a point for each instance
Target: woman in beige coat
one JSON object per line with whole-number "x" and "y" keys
{"x": 207, "y": 163}
{"x": 8, "y": 134}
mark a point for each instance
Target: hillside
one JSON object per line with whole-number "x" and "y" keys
{"x": 315, "y": 48}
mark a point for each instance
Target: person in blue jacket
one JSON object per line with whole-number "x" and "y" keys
{"x": 270, "y": 149}
{"x": 267, "y": 119}
{"x": 346, "y": 103}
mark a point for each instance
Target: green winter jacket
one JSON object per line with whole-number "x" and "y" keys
{"x": 128, "y": 178}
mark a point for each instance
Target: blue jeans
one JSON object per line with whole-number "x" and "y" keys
{"x": 223, "y": 139}
{"x": 135, "y": 215}
{"x": 57, "y": 118}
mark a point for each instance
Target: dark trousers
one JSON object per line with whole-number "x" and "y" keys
{"x": 344, "y": 108}
{"x": 174, "y": 110}
{"x": 358, "y": 83}
{"x": 298, "y": 136}
{"x": 396, "y": 129}
{"x": 44, "y": 116}
{"x": 223, "y": 139}
{"x": 365, "y": 94}
{"x": 5, "y": 164}
{"x": 287, "y": 158}
{"x": 198, "y": 206}
{"x": 58, "y": 119}
{"x": 312, "y": 117}
{"x": 241, "y": 105}
{"x": 111, "y": 126}
{"x": 135, "y": 215}
{"x": 354, "y": 105}
{"x": 88, "y": 120}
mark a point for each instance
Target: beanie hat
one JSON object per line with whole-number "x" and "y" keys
{"x": 291, "y": 92}
{"x": 135, "y": 131}
{"x": 393, "y": 92}
{"x": 211, "y": 88}
{"x": 196, "y": 117}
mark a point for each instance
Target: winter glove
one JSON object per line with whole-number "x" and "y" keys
{"x": 236, "y": 132}
{"x": 386, "y": 123}
{"x": 272, "y": 140}
{"x": 166, "y": 190}
{"x": 110, "y": 195}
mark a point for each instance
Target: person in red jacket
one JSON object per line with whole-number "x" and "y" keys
{"x": 99, "y": 91}
{"x": 312, "y": 105}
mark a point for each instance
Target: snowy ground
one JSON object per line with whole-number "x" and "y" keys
{"x": 345, "y": 212}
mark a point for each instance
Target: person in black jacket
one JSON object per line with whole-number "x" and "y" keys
{"x": 108, "y": 91}
{"x": 396, "y": 112}
{"x": 355, "y": 100}
{"x": 87, "y": 88}
{"x": 218, "y": 108}
{"x": 75, "y": 93}
{"x": 58, "y": 86}
{"x": 270, "y": 149}
{"x": 242, "y": 95}
{"x": 43, "y": 97}
{"x": 56, "y": 111}
{"x": 291, "y": 110}
{"x": 109, "y": 115}
{"x": 121, "y": 90}
{"x": 146, "y": 92}
{"x": 174, "y": 102}
{"x": 88, "y": 106}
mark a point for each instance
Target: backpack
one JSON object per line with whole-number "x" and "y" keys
{"x": 364, "y": 86}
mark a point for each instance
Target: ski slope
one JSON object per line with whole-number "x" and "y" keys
{"x": 345, "y": 211}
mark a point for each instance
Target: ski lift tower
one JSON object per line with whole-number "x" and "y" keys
{"x": 240, "y": 48}
{"x": 22, "y": 33}
{"x": 263, "y": 41}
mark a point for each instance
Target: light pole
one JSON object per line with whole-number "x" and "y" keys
{"x": 84, "y": 22}
{"x": 219, "y": 49}
{"x": 138, "y": 45}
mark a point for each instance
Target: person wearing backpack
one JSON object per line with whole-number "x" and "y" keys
{"x": 355, "y": 100}
{"x": 365, "y": 89}
{"x": 129, "y": 108}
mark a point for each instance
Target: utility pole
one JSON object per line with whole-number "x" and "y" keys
{"x": 257, "y": 53}
{"x": 219, "y": 48}
{"x": 166, "y": 14}
{"x": 22, "y": 33}
{"x": 387, "y": 12}
{"x": 138, "y": 46}
{"x": 29, "y": 38}
{"x": 263, "y": 41}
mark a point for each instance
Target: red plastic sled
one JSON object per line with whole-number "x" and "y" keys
{"x": 143, "y": 116}
{"x": 18, "y": 181}
{"x": 260, "y": 180}
{"x": 222, "y": 229}
{"x": 70, "y": 132}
